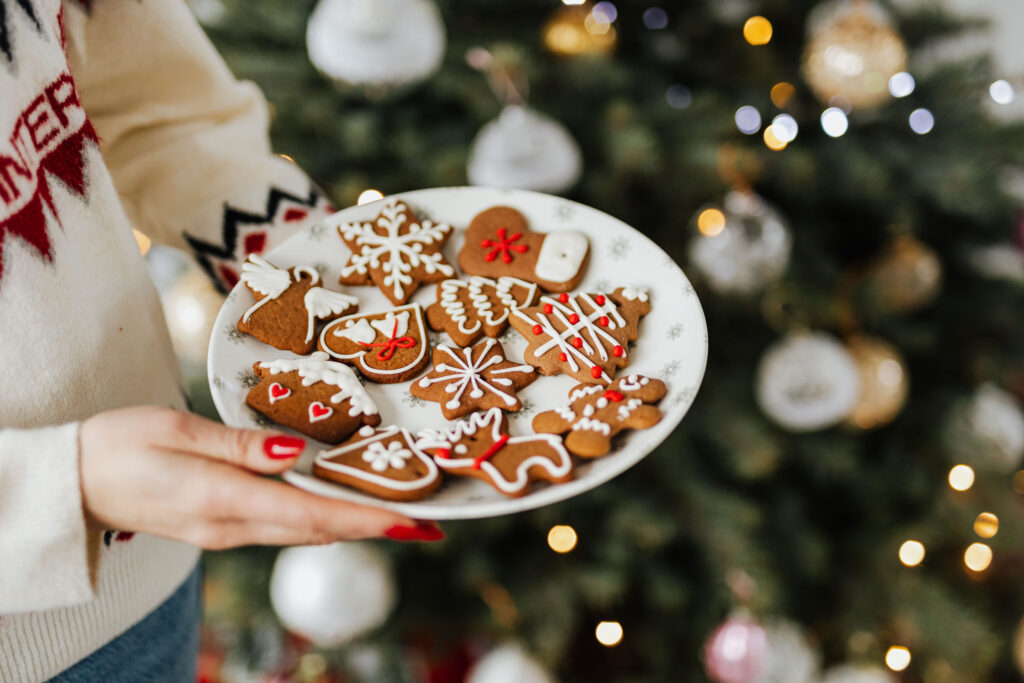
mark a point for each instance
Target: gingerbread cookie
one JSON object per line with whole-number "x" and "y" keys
{"x": 288, "y": 305}
{"x": 596, "y": 413}
{"x": 481, "y": 447}
{"x": 387, "y": 347}
{"x": 499, "y": 242}
{"x": 477, "y": 378}
{"x": 585, "y": 336}
{"x": 314, "y": 396}
{"x": 383, "y": 462}
{"x": 396, "y": 252}
{"x": 468, "y": 310}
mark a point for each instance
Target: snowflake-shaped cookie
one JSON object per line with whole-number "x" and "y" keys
{"x": 396, "y": 252}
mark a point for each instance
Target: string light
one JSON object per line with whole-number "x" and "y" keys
{"x": 748, "y": 119}
{"x": 986, "y": 525}
{"x": 961, "y": 477}
{"x": 781, "y": 93}
{"x": 562, "y": 538}
{"x": 911, "y": 553}
{"x": 834, "y": 122}
{"x": 757, "y": 30}
{"x": 609, "y": 633}
{"x": 897, "y": 658}
{"x": 367, "y": 196}
{"x": 921, "y": 121}
{"x": 772, "y": 141}
{"x": 142, "y": 239}
{"x": 901, "y": 84}
{"x": 978, "y": 557}
{"x": 1001, "y": 92}
{"x": 711, "y": 222}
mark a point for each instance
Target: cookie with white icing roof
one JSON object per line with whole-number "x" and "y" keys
{"x": 386, "y": 347}
{"x": 289, "y": 304}
{"x": 596, "y": 413}
{"x": 585, "y": 336}
{"x": 499, "y": 242}
{"x": 383, "y": 462}
{"x": 476, "y": 378}
{"x": 397, "y": 251}
{"x": 312, "y": 395}
{"x": 480, "y": 447}
{"x": 470, "y": 309}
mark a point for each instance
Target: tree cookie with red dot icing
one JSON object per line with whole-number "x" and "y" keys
{"x": 386, "y": 347}
{"x": 312, "y": 395}
{"x": 596, "y": 413}
{"x": 499, "y": 242}
{"x": 585, "y": 336}
{"x": 476, "y": 378}
{"x": 288, "y": 305}
{"x": 469, "y": 310}
{"x": 480, "y": 447}
{"x": 382, "y": 462}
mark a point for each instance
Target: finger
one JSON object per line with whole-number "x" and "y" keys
{"x": 257, "y": 450}
{"x": 224, "y": 535}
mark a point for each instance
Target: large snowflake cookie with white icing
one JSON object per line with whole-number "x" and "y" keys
{"x": 500, "y": 242}
{"x": 470, "y": 309}
{"x": 289, "y": 304}
{"x": 387, "y": 347}
{"x": 397, "y": 251}
{"x": 480, "y": 447}
{"x": 383, "y": 462}
{"x": 585, "y": 336}
{"x": 595, "y": 413}
{"x": 476, "y": 378}
{"x": 313, "y": 395}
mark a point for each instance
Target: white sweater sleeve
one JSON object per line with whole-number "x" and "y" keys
{"x": 185, "y": 142}
{"x": 43, "y": 552}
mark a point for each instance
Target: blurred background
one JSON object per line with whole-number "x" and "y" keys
{"x": 842, "y": 182}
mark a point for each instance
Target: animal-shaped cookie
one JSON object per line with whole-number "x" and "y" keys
{"x": 468, "y": 310}
{"x": 312, "y": 395}
{"x": 500, "y": 242}
{"x": 387, "y": 347}
{"x": 476, "y": 378}
{"x": 288, "y": 305}
{"x": 383, "y": 462}
{"x": 596, "y": 413}
{"x": 481, "y": 447}
{"x": 397, "y": 251}
{"x": 585, "y": 336}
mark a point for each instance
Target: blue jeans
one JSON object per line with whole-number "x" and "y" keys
{"x": 161, "y": 648}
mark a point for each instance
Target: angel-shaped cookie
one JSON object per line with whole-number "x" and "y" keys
{"x": 288, "y": 305}
{"x": 387, "y": 347}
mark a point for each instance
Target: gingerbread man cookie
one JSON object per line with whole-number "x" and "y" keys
{"x": 396, "y": 252}
{"x": 585, "y": 336}
{"x": 387, "y": 347}
{"x": 499, "y": 242}
{"x": 468, "y": 310}
{"x": 314, "y": 396}
{"x": 481, "y": 447}
{"x": 477, "y": 378}
{"x": 383, "y": 462}
{"x": 596, "y": 413}
{"x": 288, "y": 305}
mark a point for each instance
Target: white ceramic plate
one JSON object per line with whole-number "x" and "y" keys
{"x": 673, "y": 344}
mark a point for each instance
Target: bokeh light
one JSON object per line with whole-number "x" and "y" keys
{"x": 1001, "y": 92}
{"x": 785, "y": 128}
{"x": 757, "y": 30}
{"x": 921, "y": 121}
{"x": 897, "y": 658}
{"x": 562, "y": 538}
{"x": 655, "y": 18}
{"x": 986, "y": 525}
{"x": 748, "y": 119}
{"x": 142, "y": 239}
{"x": 961, "y": 477}
{"x": 367, "y": 196}
{"x": 978, "y": 557}
{"x": 781, "y": 93}
{"x": 678, "y": 96}
{"x": 901, "y": 84}
{"x": 609, "y": 633}
{"x": 911, "y": 553}
{"x": 772, "y": 141}
{"x": 604, "y": 12}
{"x": 834, "y": 122}
{"x": 711, "y": 222}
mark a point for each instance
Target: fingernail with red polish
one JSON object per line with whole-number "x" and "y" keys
{"x": 281, "y": 447}
{"x": 420, "y": 532}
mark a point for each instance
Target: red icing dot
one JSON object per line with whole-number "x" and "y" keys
{"x": 563, "y": 297}
{"x": 548, "y": 308}
{"x": 617, "y": 351}
{"x": 573, "y": 319}
{"x": 562, "y": 357}
{"x": 603, "y": 320}
{"x": 599, "y": 299}
{"x": 577, "y": 342}
{"x": 537, "y": 329}
{"x": 596, "y": 371}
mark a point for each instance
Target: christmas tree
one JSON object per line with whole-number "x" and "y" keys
{"x": 843, "y": 491}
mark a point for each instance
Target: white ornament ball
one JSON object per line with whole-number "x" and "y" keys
{"x": 789, "y": 657}
{"x": 807, "y": 381}
{"x": 332, "y": 594}
{"x": 509, "y": 663}
{"x": 527, "y": 150}
{"x": 848, "y": 673}
{"x": 751, "y": 251}
{"x": 995, "y": 416}
{"x": 377, "y": 46}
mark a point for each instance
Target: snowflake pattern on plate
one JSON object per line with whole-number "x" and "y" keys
{"x": 317, "y": 231}
{"x": 528, "y": 409}
{"x": 247, "y": 378}
{"x": 564, "y": 211}
{"x": 234, "y": 335}
{"x": 670, "y": 368}
{"x": 676, "y": 331}
{"x": 413, "y": 401}
{"x": 618, "y": 248}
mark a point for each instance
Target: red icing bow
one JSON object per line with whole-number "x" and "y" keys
{"x": 503, "y": 245}
{"x": 387, "y": 348}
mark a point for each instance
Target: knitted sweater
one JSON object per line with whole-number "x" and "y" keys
{"x": 113, "y": 114}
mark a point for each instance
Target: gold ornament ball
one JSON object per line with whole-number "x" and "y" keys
{"x": 883, "y": 381}
{"x": 851, "y": 54}
{"x": 907, "y": 277}
{"x": 575, "y": 31}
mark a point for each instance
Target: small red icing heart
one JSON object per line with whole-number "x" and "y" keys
{"x": 318, "y": 411}
{"x": 278, "y": 392}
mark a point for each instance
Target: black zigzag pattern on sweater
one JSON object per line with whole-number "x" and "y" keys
{"x": 233, "y": 220}
{"x": 5, "y": 35}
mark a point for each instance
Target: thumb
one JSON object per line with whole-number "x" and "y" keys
{"x": 264, "y": 451}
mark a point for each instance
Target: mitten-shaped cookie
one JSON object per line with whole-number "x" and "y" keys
{"x": 387, "y": 347}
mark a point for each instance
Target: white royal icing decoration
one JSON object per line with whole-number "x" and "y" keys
{"x": 561, "y": 255}
{"x": 318, "y": 411}
{"x": 465, "y": 371}
{"x": 592, "y": 425}
{"x": 634, "y": 293}
{"x": 481, "y": 301}
{"x": 270, "y": 281}
{"x": 359, "y": 332}
{"x": 392, "y": 325}
{"x": 324, "y": 460}
{"x": 383, "y": 457}
{"x": 366, "y": 430}
{"x": 317, "y": 368}
{"x": 321, "y": 303}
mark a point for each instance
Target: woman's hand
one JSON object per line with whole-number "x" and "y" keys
{"x": 180, "y": 476}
